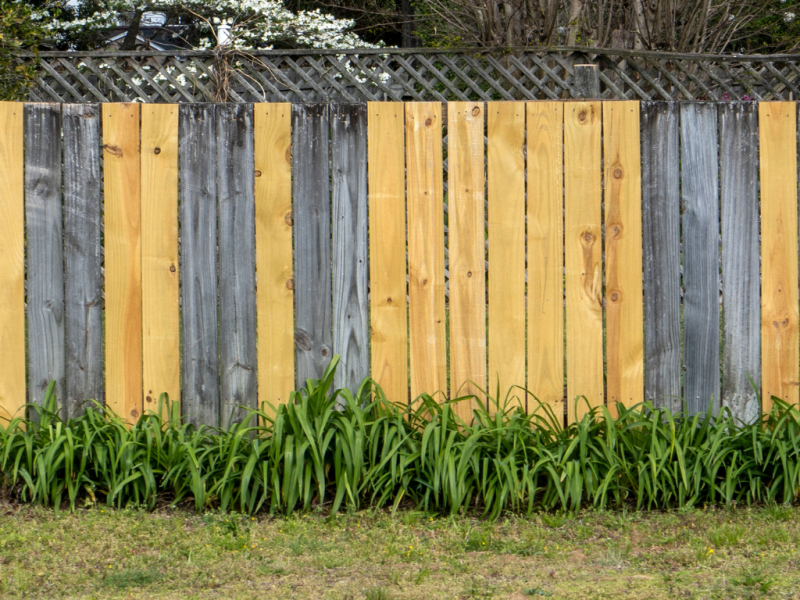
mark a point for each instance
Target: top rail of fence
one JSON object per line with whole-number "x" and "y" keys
{"x": 425, "y": 74}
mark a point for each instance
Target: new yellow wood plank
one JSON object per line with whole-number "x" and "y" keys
{"x": 506, "y": 213}
{"x": 12, "y": 273}
{"x": 465, "y": 155}
{"x": 545, "y": 123}
{"x": 623, "y": 222}
{"x": 123, "y": 273}
{"x": 387, "y": 249}
{"x": 780, "y": 335}
{"x": 427, "y": 347}
{"x": 161, "y": 359}
{"x": 272, "y": 126}
{"x": 583, "y": 256}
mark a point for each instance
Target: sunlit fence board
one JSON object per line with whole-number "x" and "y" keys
{"x": 506, "y": 215}
{"x": 583, "y": 257}
{"x": 777, "y": 125}
{"x": 161, "y": 359}
{"x": 123, "y": 279}
{"x": 387, "y": 249}
{"x": 428, "y": 350}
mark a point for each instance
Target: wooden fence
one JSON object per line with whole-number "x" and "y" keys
{"x": 224, "y": 253}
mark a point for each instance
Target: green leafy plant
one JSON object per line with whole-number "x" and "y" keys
{"x": 18, "y": 32}
{"x": 330, "y": 450}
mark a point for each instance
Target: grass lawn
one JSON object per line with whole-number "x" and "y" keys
{"x": 102, "y": 553}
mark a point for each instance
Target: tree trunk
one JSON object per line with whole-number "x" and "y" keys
{"x": 129, "y": 42}
{"x": 574, "y": 24}
{"x": 409, "y": 39}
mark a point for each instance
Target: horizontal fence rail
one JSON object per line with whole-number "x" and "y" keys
{"x": 395, "y": 74}
{"x": 224, "y": 253}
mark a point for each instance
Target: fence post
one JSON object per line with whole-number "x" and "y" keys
{"x": 586, "y": 82}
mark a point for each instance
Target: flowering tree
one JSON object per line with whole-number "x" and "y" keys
{"x": 253, "y": 24}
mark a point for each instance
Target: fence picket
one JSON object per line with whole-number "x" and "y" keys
{"x": 741, "y": 324}
{"x": 700, "y": 197}
{"x": 506, "y": 214}
{"x": 272, "y": 126}
{"x": 426, "y": 287}
{"x": 161, "y": 359}
{"x": 545, "y": 125}
{"x": 45, "y": 281}
{"x": 12, "y": 275}
{"x": 198, "y": 269}
{"x": 661, "y": 253}
{"x": 623, "y": 225}
{"x": 312, "y": 240}
{"x": 387, "y": 249}
{"x": 583, "y": 257}
{"x": 350, "y": 277}
{"x": 123, "y": 290}
{"x": 83, "y": 257}
{"x": 465, "y": 151}
{"x": 237, "y": 268}
{"x": 777, "y": 126}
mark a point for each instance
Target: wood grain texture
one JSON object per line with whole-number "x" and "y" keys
{"x": 237, "y": 267}
{"x": 83, "y": 256}
{"x": 661, "y": 240}
{"x": 12, "y": 275}
{"x": 623, "y": 269}
{"x": 777, "y": 125}
{"x": 350, "y": 270}
{"x": 123, "y": 275}
{"x": 198, "y": 269}
{"x": 312, "y": 240}
{"x": 466, "y": 185}
{"x": 426, "y": 286}
{"x": 506, "y": 215}
{"x": 700, "y": 221}
{"x": 387, "y": 249}
{"x": 583, "y": 256}
{"x": 741, "y": 322}
{"x": 545, "y": 126}
{"x": 272, "y": 126}
{"x": 45, "y": 264}
{"x": 161, "y": 360}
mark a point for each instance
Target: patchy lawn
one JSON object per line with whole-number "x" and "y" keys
{"x": 102, "y": 553}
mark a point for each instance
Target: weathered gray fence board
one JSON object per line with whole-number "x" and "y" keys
{"x": 661, "y": 253}
{"x": 83, "y": 256}
{"x": 350, "y": 305}
{"x": 45, "y": 264}
{"x": 312, "y": 239}
{"x": 198, "y": 176}
{"x": 237, "y": 269}
{"x": 700, "y": 196}
{"x": 741, "y": 319}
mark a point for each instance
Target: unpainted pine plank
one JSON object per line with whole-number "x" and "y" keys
{"x": 623, "y": 268}
{"x": 777, "y": 126}
{"x": 466, "y": 185}
{"x": 123, "y": 283}
{"x": 426, "y": 287}
{"x": 12, "y": 275}
{"x": 741, "y": 322}
{"x": 161, "y": 359}
{"x": 83, "y": 256}
{"x": 583, "y": 257}
{"x": 350, "y": 275}
{"x": 272, "y": 126}
{"x": 43, "y": 224}
{"x": 387, "y": 249}
{"x": 312, "y": 240}
{"x": 661, "y": 240}
{"x": 237, "y": 268}
{"x": 545, "y": 126}
{"x": 198, "y": 268}
{"x": 506, "y": 216}
{"x": 700, "y": 225}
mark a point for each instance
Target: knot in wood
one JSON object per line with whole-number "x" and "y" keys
{"x": 582, "y": 116}
{"x": 288, "y": 218}
{"x": 258, "y": 173}
{"x": 290, "y": 284}
{"x": 615, "y": 230}
{"x": 388, "y": 300}
{"x": 618, "y": 172}
{"x": 587, "y": 238}
{"x": 157, "y": 151}
{"x": 428, "y": 122}
{"x": 302, "y": 341}
{"x": 469, "y": 273}
{"x": 476, "y": 111}
{"x": 172, "y": 269}
{"x": 615, "y": 296}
